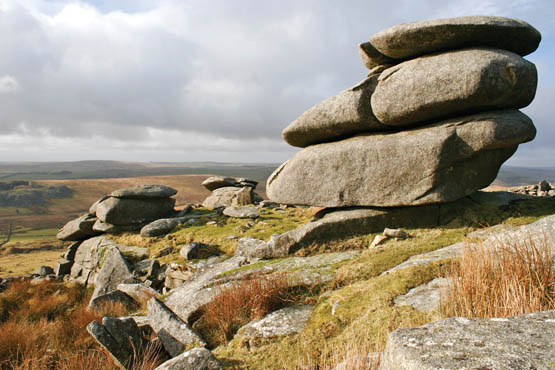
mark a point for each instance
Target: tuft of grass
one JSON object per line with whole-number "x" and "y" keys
{"x": 243, "y": 302}
{"x": 43, "y": 327}
{"x": 512, "y": 278}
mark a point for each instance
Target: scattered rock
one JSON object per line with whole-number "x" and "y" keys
{"x": 395, "y": 233}
{"x": 114, "y": 296}
{"x": 63, "y": 268}
{"x": 253, "y": 249}
{"x": 115, "y": 270}
{"x": 164, "y": 226}
{"x": 164, "y": 252}
{"x": 145, "y": 192}
{"x": 241, "y": 212}
{"x": 44, "y": 271}
{"x": 174, "y": 333}
{"x": 79, "y": 229}
{"x": 194, "y": 359}
{"x": 424, "y": 298}
{"x": 378, "y": 239}
{"x": 192, "y": 250}
{"x": 286, "y": 321}
{"x": 122, "y": 339}
{"x": 521, "y": 342}
{"x": 139, "y": 292}
{"x": 229, "y": 196}
{"x": 216, "y": 182}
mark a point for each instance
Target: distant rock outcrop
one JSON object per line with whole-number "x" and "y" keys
{"x": 432, "y": 123}
{"x": 25, "y": 194}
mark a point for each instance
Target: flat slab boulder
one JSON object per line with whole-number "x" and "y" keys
{"x": 519, "y": 343}
{"x": 163, "y": 226}
{"x": 451, "y": 83}
{"x": 216, "y": 182}
{"x": 145, "y": 192}
{"x": 194, "y": 359}
{"x": 125, "y": 211}
{"x": 174, "y": 333}
{"x": 413, "y": 39}
{"x": 437, "y": 163}
{"x": 241, "y": 212}
{"x": 337, "y": 117}
{"x": 286, "y": 321}
{"x": 79, "y": 229}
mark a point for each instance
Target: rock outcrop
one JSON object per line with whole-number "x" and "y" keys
{"x": 519, "y": 343}
{"x": 432, "y": 123}
{"x": 230, "y": 191}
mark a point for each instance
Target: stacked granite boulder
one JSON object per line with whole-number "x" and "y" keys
{"x": 230, "y": 191}
{"x": 123, "y": 210}
{"x": 433, "y": 121}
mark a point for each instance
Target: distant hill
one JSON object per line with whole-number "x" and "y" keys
{"x": 10, "y": 171}
{"x": 515, "y": 176}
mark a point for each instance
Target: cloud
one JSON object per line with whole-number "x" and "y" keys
{"x": 8, "y": 84}
{"x": 229, "y": 72}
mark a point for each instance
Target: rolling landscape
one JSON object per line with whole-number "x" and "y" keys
{"x": 246, "y": 185}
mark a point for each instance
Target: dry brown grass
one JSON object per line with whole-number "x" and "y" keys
{"x": 43, "y": 327}
{"x": 514, "y": 278}
{"x": 243, "y": 302}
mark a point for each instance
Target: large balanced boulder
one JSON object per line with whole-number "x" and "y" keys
{"x": 438, "y": 163}
{"x": 519, "y": 343}
{"x": 145, "y": 192}
{"x": 452, "y": 83}
{"x": 337, "y": 117}
{"x": 413, "y": 39}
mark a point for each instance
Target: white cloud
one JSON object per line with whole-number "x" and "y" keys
{"x": 137, "y": 74}
{"x": 8, "y": 84}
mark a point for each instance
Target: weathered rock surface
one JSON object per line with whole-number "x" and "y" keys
{"x": 519, "y": 343}
{"x": 438, "y": 163}
{"x": 340, "y": 223}
{"x": 174, "y": 333}
{"x": 241, "y": 212}
{"x": 115, "y": 270}
{"x": 216, "y": 182}
{"x": 92, "y": 209}
{"x": 63, "y": 267}
{"x": 452, "y": 83}
{"x": 139, "y": 292}
{"x": 163, "y": 226}
{"x": 286, "y": 321}
{"x": 103, "y": 227}
{"x": 193, "y": 294}
{"x": 409, "y": 40}
{"x": 253, "y": 249}
{"x": 145, "y": 192}
{"x": 78, "y": 229}
{"x": 335, "y": 118}
{"x": 424, "y": 298}
{"x": 194, "y": 359}
{"x": 87, "y": 257}
{"x": 229, "y": 196}
{"x": 192, "y": 250}
{"x": 126, "y": 211}
{"x": 114, "y": 296}
{"x": 44, "y": 271}
{"x": 122, "y": 339}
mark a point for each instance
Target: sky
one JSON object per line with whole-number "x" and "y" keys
{"x": 197, "y": 80}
